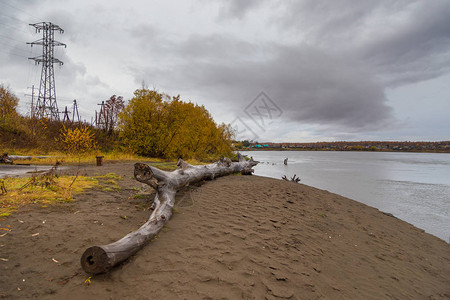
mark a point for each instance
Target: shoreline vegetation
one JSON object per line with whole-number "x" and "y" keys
{"x": 375, "y": 146}
{"x": 151, "y": 124}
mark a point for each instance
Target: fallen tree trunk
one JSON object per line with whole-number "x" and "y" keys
{"x": 5, "y": 159}
{"x": 99, "y": 259}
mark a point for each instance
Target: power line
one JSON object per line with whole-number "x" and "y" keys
{"x": 19, "y": 9}
{"x": 11, "y": 53}
{"x": 15, "y": 27}
{"x": 15, "y": 19}
{"x": 14, "y": 50}
{"x": 9, "y": 38}
{"x": 13, "y": 45}
{"x": 16, "y": 47}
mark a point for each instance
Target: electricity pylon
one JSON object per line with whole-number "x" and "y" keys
{"x": 46, "y": 106}
{"x": 75, "y": 112}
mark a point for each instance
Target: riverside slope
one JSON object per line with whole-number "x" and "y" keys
{"x": 290, "y": 241}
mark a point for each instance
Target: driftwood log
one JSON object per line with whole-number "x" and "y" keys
{"x": 293, "y": 178}
{"x": 99, "y": 259}
{"x": 5, "y": 159}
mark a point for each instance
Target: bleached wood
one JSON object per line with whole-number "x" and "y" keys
{"x": 99, "y": 259}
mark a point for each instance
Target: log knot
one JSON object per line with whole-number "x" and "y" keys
{"x": 143, "y": 173}
{"x": 183, "y": 165}
{"x": 225, "y": 161}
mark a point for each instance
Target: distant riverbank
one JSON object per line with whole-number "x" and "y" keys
{"x": 365, "y": 150}
{"x": 334, "y": 150}
{"x": 374, "y": 146}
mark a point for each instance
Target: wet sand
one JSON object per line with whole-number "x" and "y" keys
{"x": 237, "y": 237}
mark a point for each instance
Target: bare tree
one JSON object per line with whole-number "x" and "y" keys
{"x": 109, "y": 113}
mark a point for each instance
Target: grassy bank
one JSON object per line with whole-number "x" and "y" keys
{"x": 41, "y": 190}
{"x": 45, "y": 190}
{"x": 51, "y": 158}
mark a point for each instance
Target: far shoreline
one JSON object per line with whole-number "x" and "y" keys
{"x": 345, "y": 146}
{"x": 332, "y": 150}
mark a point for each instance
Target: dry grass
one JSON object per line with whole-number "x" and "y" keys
{"x": 90, "y": 158}
{"x": 86, "y": 159}
{"x": 24, "y": 191}
{"x": 27, "y": 190}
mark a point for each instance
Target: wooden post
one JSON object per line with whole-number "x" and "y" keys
{"x": 99, "y": 160}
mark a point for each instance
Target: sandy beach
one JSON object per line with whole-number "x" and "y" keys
{"x": 236, "y": 237}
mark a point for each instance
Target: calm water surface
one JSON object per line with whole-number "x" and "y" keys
{"x": 414, "y": 187}
{"x": 20, "y": 170}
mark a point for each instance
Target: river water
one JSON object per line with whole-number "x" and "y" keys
{"x": 414, "y": 187}
{"x": 21, "y": 170}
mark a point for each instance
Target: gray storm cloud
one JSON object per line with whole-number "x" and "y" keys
{"x": 308, "y": 85}
{"x": 327, "y": 64}
{"x": 354, "y": 52}
{"x": 401, "y": 42}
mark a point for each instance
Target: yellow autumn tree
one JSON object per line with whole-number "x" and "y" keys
{"x": 155, "y": 124}
{"x": 8, "y": 102}
{"x": 77, "y": 141}
{"x": 8, "y": 105}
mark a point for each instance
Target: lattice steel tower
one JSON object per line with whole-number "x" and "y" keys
{"x": 46, "y": 106}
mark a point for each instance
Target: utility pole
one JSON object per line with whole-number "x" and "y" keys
{"x": 66, "y": 117}
{"x": 101, "y": 118}
{"x": 33, "y": 111}
{"x": 46, "y": 106}
{"x": 75, "y": 112}
{"x": 32, "y": 101}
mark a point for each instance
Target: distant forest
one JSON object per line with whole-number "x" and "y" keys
{"x": 443, "y": 146}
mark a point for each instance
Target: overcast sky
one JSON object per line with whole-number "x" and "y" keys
{"x": 276, "y": 70}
